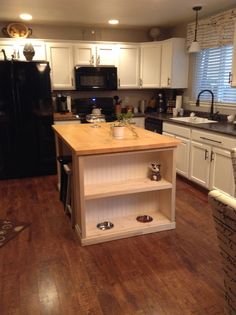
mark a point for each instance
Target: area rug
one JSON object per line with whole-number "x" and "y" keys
{"x": 9, "y": 229}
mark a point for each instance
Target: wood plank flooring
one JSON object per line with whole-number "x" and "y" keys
{"x": 167, "y": 273}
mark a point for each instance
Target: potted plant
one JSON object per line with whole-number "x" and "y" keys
{"x": 123, "y": 120}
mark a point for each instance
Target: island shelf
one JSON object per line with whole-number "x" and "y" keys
{"x": 112, "y": 182}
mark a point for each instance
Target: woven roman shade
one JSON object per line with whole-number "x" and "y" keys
{"x": 216, "y": 31}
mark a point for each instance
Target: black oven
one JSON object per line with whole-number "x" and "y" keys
{"x": 95, "y": 78}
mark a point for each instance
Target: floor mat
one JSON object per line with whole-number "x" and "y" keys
{"x": 9, "y": 229}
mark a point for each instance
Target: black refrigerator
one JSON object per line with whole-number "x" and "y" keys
{"x": 27, "y": 146}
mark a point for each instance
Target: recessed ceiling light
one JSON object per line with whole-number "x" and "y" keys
{"x": 25, "y": 16}
{"x": 113, "y": 22}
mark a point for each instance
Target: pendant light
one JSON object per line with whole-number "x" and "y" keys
{"x": 195, "y": 47}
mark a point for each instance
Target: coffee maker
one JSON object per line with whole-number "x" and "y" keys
{"x": 61, "y": 103}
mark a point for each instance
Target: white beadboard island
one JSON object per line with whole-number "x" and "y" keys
{"x": 111, "y": 180}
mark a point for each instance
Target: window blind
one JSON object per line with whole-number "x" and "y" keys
{"x": 212, "y": 70}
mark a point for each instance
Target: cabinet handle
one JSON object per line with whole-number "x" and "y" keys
{"x": 168, "y": 81}
{"x": 206, "y": 154}
{"x": 118, "y": 82}
{"x": 72, "y": 81}
{"x": 212, "y": 156}
{"x": 98, "y": 60}
{"x": 230, "y": 78}
{"x": 204, "y": 138}
{"x": 92, "y": 60}
{"x": 141, "y": 82}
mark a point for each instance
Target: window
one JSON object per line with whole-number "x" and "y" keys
{"x": 213, "y": 66}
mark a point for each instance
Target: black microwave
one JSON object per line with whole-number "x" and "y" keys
{"x": 95, "y": 78}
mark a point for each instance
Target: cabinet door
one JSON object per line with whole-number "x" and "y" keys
{"x": 166, "y": 64}
{"x": 10, "y": 50}
{"x": 150, "y": 70}
{"x": 84, "y": 54}
{"x": 200, "y": 163}
{"x": 233, "y": 82}
{"x": 182, "y": 157}
{"x": 222, "y": 171}
{"x": 60, "y": 57}
{"x": 128, "y": 66}
{"x": 106, "y": 55}
{"x": 174, "y": 64}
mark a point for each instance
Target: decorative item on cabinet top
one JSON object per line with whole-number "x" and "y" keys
{"x": 154, "y": 33}
{"x": 17, "y": 30}
{"x": 29, "y": 51}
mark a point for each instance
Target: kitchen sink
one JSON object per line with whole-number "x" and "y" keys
{"x": 194, "y": 120}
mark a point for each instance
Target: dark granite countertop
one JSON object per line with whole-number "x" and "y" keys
{"x": 222, "y": 127}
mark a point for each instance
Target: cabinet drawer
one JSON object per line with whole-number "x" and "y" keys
{"x": 177, "y": 130}
{"x": 214, "y": 139}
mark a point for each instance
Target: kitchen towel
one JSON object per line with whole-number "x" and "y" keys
{"x": 178, "y": 103}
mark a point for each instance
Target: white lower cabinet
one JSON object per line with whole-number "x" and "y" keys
{"x": 211, "y": 164}
{"x": 200, "y": 166}
{"x": 204, "y": 157}
{"x": 221, "y": 171}
{"x": 182, "y": 157}
{"x": 183, "y": 150}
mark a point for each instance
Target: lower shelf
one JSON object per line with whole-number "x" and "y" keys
{"x": 126, "y": 227}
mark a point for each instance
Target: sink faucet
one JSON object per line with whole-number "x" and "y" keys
{"x": 212, "y": 102}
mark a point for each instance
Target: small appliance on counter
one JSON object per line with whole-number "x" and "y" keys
{"x": 61, "y": 103}
{"x": 85, "y": 106}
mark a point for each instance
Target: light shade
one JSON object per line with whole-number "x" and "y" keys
{"x": 194, "y": 47}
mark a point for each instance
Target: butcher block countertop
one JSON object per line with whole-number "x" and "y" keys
{"x": 85, "y": 140}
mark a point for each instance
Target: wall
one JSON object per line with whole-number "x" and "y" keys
{"x": 87, "y": 33}
{"x": 134, "y": 96}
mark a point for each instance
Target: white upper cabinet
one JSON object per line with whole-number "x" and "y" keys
{"x": 128, "y": 67}
{"x": 87, "y": 54}
{"x": 150, "y": 66}
{"x": 174, "y": 64}
{"x": 232, "y": 80}
{"x": 60, "y": 57}
{"x": 10, "y": 50}
{"x": 14, "y": 48}
{"x": 106, "y": 55}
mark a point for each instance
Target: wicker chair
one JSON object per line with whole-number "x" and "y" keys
{"x": 224, "y": 214}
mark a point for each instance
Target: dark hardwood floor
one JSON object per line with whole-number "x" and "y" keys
{"x": 168, "y": 273}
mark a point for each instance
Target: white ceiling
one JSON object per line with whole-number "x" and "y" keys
{"x": 131, "y": 13}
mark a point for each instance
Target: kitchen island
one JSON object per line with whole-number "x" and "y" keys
{"x": 111, "y": 181}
